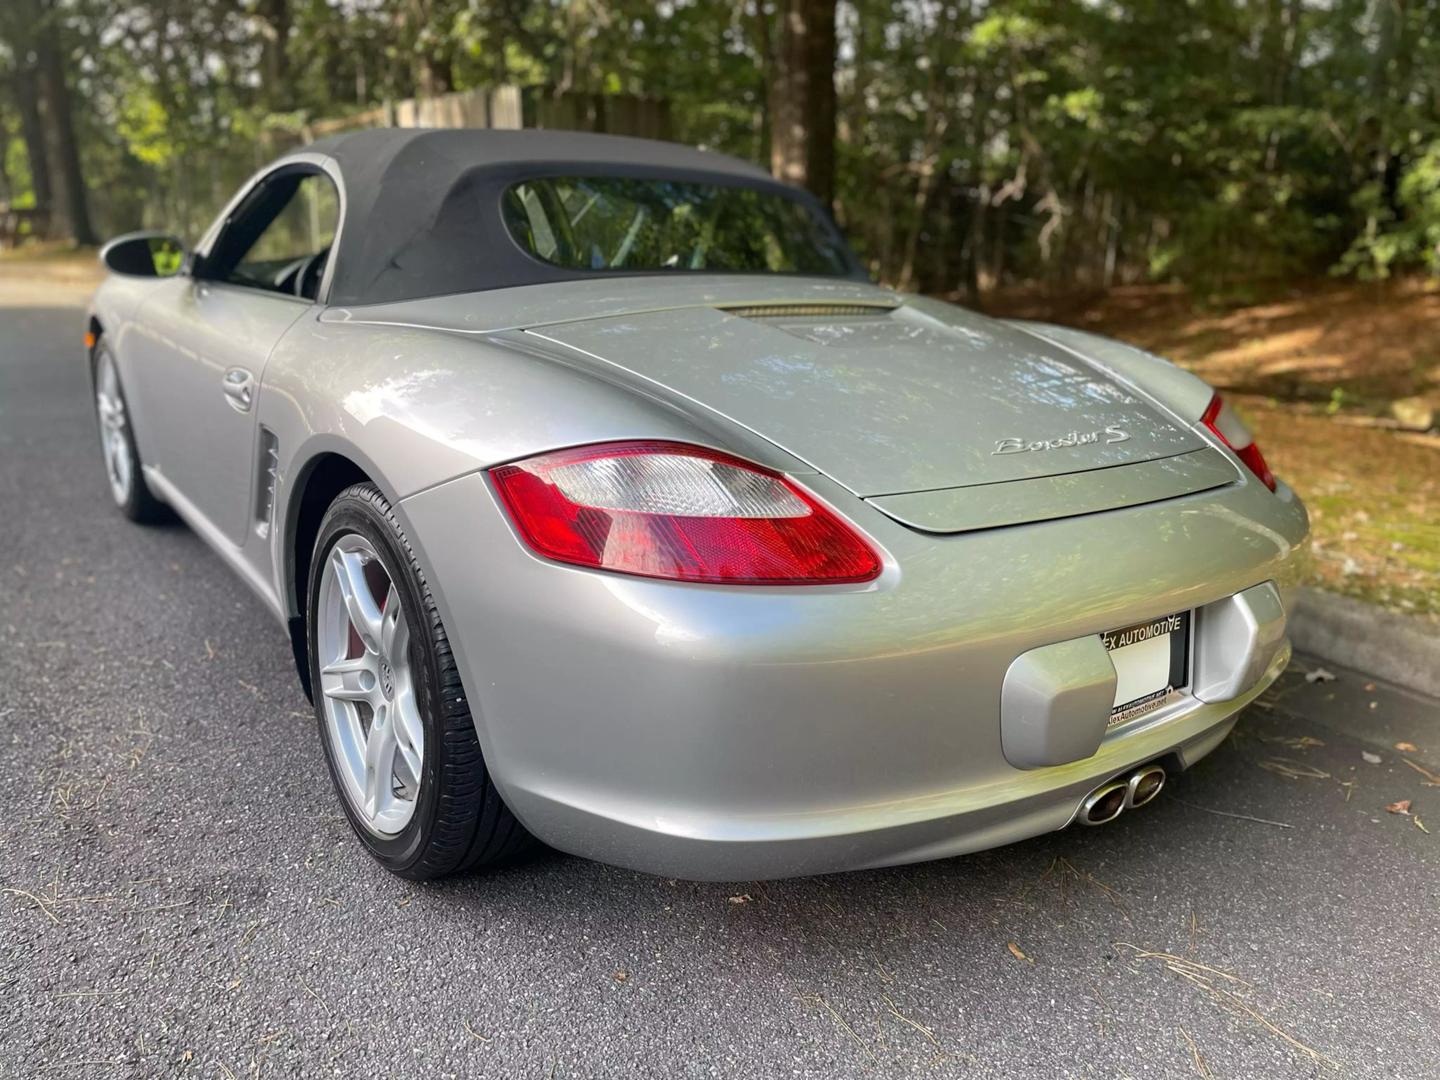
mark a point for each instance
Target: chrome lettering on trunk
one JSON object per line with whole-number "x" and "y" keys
{"x": 1106, "y": 435}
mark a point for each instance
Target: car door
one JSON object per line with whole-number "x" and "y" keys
{"x": 205, "y": 337}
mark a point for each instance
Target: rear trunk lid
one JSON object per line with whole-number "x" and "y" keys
{"x": 891, "y": 401}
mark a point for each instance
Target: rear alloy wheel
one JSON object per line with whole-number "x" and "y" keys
{"x": 117, "y": 446}
{"x": 397, "y": 730}
{"x": 368, "y": 691}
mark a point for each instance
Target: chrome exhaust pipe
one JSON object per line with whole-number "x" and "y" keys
{"x": 1144, "y": 785}
{"x": 1109, "y": 801}
{"x": 1105, "y": 803}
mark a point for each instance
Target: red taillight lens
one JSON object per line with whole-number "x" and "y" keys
{"x": 668, "y": 510}
{"x": 1222, "y": 420}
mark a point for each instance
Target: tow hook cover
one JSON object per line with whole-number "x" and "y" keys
{"x": 1236, "y": 639}
{"x": 1055, "y": 703}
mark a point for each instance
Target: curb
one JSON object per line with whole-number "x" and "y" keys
{"x": 1398, "y": 648}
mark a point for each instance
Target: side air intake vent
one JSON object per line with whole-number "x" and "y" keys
{"x": 269, "y": 470}
{"x": 808, "y": 311}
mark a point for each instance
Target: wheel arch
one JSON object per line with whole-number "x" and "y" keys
{"x": 317, "y": 482}
{"x": 94, "y": 331}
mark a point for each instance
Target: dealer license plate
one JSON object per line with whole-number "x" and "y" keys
{"x": 1152, "y": 662}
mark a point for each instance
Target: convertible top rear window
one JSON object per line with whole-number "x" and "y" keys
{"x": 439, "y": 212}
{"x": 631, "y": 224}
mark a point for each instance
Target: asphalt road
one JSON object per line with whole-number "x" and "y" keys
{"x": 180, "y": 896}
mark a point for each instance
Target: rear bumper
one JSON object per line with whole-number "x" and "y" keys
{"x": 713, "y": 733}
{"x": 740, "y": 847}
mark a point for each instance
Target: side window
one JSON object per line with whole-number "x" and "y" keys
{"x": 280, "y": 241}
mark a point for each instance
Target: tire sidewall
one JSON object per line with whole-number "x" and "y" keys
{"x": 354, "y": 512}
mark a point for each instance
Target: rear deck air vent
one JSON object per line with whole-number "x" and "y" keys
{"x": 808, "y": 311}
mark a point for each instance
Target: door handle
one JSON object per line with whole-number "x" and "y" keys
{"x": 239, "y": 389}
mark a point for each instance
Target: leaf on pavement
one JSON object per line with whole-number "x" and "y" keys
{"x": 1420, "y": 825}
{"x": 1407, "y": 747}
{"x": 1373, "y": 759}
{"x": 1015, "y": 952}
{"x": 1401, "y": 807}
{"x": 743, "y": 898}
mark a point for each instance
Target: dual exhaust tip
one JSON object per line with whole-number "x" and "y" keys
{"x": 1109, "y": 801}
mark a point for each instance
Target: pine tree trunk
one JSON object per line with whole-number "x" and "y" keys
{"x": 762, "y": 40}
{"x": 71, "y": 211}
{"x": 975, "y": 246}
{"x": 275, "y": 15}
{"x": 802, "y": 98}
{"x": 32, "y": 130}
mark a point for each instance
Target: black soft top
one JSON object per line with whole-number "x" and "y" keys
{"x": 422, "y": 206}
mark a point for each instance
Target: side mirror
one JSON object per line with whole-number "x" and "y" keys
{"x": 144, "y": 254}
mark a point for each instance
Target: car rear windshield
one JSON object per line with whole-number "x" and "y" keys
{"x": 629, "y": 224}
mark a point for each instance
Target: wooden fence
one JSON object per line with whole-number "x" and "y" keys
{"x": 512, "y": 107}
{"x": 19, "y": 223}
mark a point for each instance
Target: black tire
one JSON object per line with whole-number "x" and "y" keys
{"x": 139, "y": 504}
{"x": 460, "y": 822}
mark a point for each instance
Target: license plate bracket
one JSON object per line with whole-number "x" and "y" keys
{"x": 1152, "y": 663}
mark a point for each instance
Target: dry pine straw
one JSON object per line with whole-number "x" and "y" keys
{"x": 1223, "y": 987}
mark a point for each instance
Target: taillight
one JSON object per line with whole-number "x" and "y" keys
{"x": 1223, "y": 421}
{"x": 668, "y": 510}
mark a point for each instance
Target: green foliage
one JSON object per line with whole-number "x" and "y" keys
{"x": 143, "y": 124}
{"x": 1419, "y": 198}
{"x": 1402, "y": 232}
{"x": 1222, "y": 143}
{"x": 1252, "y": 231}
{"x": 17, "y": 173}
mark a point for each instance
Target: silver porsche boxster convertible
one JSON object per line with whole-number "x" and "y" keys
{"x": 608, "y": 503}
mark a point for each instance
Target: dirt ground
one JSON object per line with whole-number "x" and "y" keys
{"x": 47, "y": 275}
{"x": 1313, "y": 371}
{"x": 1372, "y": 343}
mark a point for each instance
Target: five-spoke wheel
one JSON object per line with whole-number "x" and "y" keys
{"x": 368, "y": 686}
{"x": 114, "y": 443}
{"x": 117, "y": 445}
